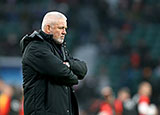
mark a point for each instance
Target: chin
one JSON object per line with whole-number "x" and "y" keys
{"x": 59, "y": 41}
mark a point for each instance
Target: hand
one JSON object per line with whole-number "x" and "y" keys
{"x": 67, "y": 64}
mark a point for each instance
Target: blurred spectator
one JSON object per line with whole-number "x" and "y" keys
{"x": 123, "y": 96}
{"x": 147, "y": 74}
{"x": 107, "y": 106}
{"x": 16, "y": 102}
{"x": 6, "y": 93}
{"x": 129, "y": 107}
{"x": 10, "y": 97}
{"x": 135, "y": 60}
{"x": 144, "y": 106}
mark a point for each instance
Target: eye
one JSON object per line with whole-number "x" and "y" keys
{"x": 61, "y": 27}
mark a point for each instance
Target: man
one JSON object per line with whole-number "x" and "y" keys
{"x": 6, "y": 93}
{"x": 49, "y": 71}
{"x": 145, "y": 107}
{"x": 107, "y": 106}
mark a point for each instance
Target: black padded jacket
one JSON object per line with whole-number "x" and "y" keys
{"x": 47, "y": 82}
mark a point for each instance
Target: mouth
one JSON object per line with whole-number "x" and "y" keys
{"x": 62, "y": 36}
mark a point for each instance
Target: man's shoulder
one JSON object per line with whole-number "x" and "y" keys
{"x": 39, "y": 45}
{"x": 37, "y": 40}
{"x": 29, "y": 39}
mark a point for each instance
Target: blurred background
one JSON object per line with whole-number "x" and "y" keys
{"x": 119, "y": 40}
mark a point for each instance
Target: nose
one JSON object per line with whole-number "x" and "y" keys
{"x": 64, "y": 32}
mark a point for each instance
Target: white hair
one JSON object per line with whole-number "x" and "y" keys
{"x": 51, "y": 18}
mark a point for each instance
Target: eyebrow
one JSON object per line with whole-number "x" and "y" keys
{"x": 62, "y": 27}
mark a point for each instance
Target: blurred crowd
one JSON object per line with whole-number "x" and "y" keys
{"x": 127, "y": 38}
{"x": 11, "y": 99}
{"x": 88, "y": 20}
{"x": 108, "y": 102}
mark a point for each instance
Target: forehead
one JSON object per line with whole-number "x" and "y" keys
{"x": 61, "y": 22}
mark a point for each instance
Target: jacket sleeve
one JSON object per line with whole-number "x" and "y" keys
{"x": 40, "y": 57}
{"x": 78, "y": 67}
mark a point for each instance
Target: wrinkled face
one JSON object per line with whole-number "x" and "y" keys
{"x": 58, "y": 29}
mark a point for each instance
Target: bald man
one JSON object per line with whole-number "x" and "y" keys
{"x": 49, "y": 71}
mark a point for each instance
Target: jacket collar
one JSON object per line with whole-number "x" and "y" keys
{"x": 47, "y": 37}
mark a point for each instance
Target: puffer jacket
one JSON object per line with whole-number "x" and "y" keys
{"x": 47, "y": 82}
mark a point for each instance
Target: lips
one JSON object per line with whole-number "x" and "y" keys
{"x": 62, "y": 36}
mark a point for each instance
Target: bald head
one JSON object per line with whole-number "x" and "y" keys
{"x": 51, "y": 18}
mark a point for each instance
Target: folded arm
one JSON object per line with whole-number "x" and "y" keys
{"x": 78, "y": 67}
{"x": 40, "y": 57}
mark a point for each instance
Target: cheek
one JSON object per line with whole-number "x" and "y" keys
{"x": 56, "y": 34}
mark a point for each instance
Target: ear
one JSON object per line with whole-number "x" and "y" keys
{"x": 48, "y": 29}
